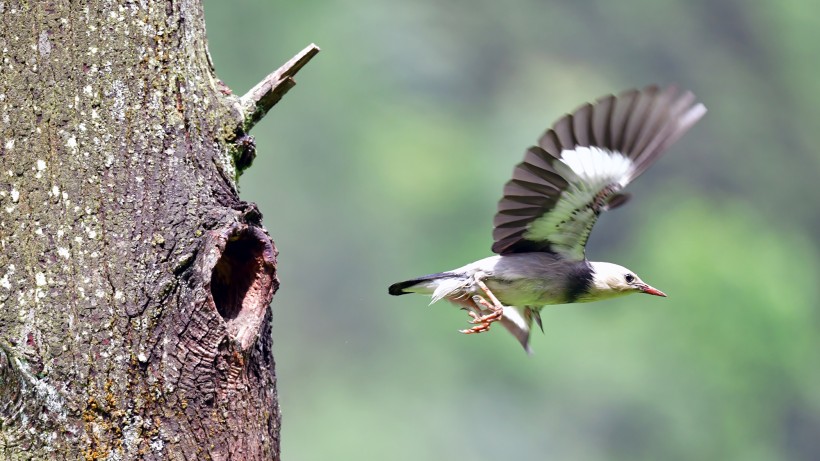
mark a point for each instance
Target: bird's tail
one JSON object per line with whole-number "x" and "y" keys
{"x": 422, "y": 284}
{"x": 397, "y": 289}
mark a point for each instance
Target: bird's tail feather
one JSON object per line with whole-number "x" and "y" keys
{"x": 401, "y": 288}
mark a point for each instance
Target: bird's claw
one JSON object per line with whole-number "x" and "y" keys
{"x": 476, "y": 329}
{"x": 482, "y": 322}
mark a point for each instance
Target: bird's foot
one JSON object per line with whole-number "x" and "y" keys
{"x": 482, "y": 322}
{"x": 476, "y": 329}
{"x": 495, "y": 311}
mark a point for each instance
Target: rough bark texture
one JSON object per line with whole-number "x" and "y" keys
{"x": 134, "y": 283}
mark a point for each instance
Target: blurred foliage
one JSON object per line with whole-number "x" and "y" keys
{"x": 387, "y": 159}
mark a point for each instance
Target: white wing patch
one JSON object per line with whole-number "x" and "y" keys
{"x": 588, "y": 170}
{"x": 594, "y": 165}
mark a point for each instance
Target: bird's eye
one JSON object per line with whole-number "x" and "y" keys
{"x": 629, "y": 278}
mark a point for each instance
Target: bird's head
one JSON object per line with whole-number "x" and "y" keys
{"x": 610, "y": 280}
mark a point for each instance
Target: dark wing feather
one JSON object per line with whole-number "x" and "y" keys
{"x": 580, "y": 166}
{"x": 582, "y": 126}
{"x": 601, "y": 116}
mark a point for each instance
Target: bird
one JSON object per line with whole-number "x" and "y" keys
{"x": 577, "y": 170}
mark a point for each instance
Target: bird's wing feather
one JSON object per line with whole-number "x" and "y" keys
{"x": 580, "y": 165}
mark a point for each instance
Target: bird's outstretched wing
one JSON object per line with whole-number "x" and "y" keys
{"x": 580, "y": 165}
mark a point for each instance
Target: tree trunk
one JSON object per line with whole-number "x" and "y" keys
{"x": 134, "y": 283}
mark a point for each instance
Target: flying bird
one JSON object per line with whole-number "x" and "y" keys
{"x": 577, "y": 171}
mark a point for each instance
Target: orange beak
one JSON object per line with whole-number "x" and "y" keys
{"x": 651, "y": 291}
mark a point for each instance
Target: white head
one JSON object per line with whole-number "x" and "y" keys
{"x": 610, "y": 280}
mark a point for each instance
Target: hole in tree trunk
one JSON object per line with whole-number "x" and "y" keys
{"x": 241, "y": 282}
{"x": 234, "y": 275}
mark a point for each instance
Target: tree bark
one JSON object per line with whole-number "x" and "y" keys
{"x": 134, "y": 283}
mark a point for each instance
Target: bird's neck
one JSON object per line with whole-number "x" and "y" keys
{"x": 579, "y": 281}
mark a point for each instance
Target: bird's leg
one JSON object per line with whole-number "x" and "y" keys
{"x": 482, "y": 323}
{"x": 497, "y": 308}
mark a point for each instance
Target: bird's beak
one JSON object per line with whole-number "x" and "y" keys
{"x": 651, "y": 291}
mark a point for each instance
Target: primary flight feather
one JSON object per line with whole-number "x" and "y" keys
{"x": 578, "y": 170}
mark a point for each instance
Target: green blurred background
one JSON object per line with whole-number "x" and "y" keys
{"x": 386, "y": 162}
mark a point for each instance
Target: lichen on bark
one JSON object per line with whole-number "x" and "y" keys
{"x": 117, "y": 202}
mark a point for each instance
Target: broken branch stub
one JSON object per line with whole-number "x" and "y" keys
{"x": 256, "y": 103}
